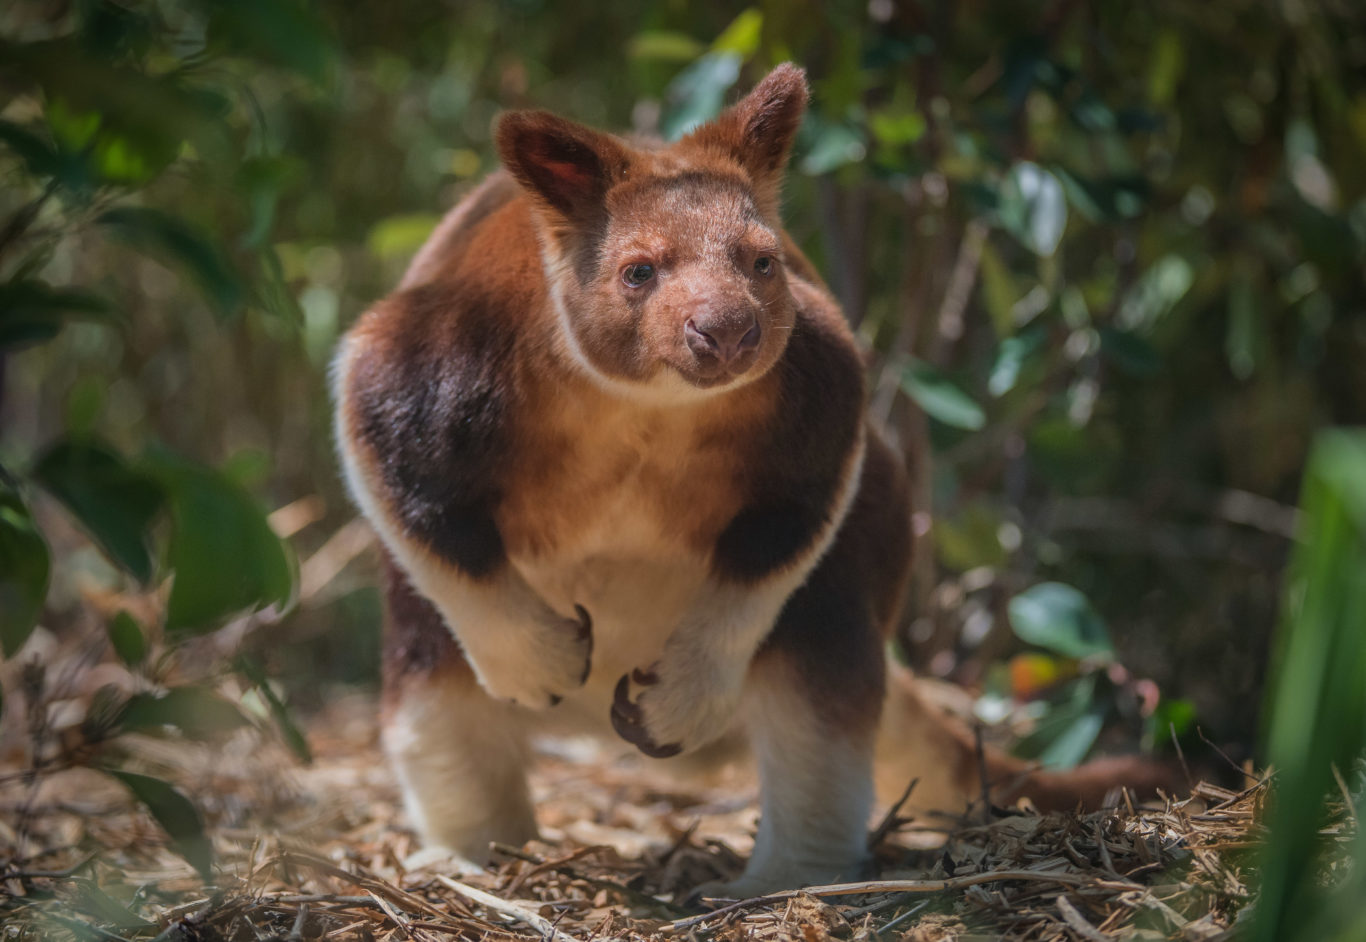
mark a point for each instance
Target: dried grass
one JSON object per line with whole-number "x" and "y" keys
{"x": 320, "y": 853}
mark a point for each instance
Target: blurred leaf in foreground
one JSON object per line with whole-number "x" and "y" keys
{"x": 284, "y": 720}
{"x": 1317, "y": 715}
{"x": 24, "y": 567}
{"x": 225, "y": 557}
{"x": 33, "y": 311}
{"x": 126, "y": 638}
{"x": 176, "y": 815}
{"x": 196, "y": 711}
{"x": 113, "y": 501}
{"x": 171, "y": 239}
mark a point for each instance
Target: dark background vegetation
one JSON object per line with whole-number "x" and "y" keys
{"x": 1107, "y": 259}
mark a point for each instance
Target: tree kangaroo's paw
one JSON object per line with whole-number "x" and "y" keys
{"x": 536, "y": 671}
{"x": 672, "y": 711}
{"x": 628, "y": 719}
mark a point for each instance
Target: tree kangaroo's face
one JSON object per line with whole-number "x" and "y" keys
{"x": 666, "y": 265}
{"x": 702, "y": 298}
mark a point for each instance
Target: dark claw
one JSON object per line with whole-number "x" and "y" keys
{"x": 624, "y": 709}
{"x": 585, "y": 633}
{"x": 628, "y": 720}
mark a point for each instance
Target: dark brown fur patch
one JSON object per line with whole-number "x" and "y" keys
{"x": 796, "y": 463}
{"x": 416, "y": 640}
{"x": 832, "y": 631}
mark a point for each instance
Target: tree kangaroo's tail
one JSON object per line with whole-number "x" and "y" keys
{"x": 919, "y": 740}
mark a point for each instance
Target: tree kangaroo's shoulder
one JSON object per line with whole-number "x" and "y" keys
{"x": 821, "y": 372}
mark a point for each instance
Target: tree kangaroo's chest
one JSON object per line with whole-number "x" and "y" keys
{"x": 617, "y": 511}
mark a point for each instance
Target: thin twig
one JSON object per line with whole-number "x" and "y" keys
{"x": 892, "y": 819}
{"x": 983, "y": 776}
{"x": 1224, "y": 755}
{"x": 1077, "y": 922}
{"x": 1348, "y": 805}
{"x": 903, "y": 917}
{"x": 910, "y": 886}
{"x": 1181, "y": 756}
{"x": 296, "y": 934}
{"x": 506, "y": 908}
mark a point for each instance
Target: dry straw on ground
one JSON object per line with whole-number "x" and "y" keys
{"x": 321, "y": 853}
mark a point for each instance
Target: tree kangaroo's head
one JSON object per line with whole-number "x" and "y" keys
{"x": 666, "y": 263}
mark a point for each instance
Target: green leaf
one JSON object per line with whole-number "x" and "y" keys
{"x": 897, "y": 127}
{"x": 1033, "y": 208}
{"x": 1073, "y": 741}
{"x": 1245, "y": 341}
{"x": 664, "y": 46}
{"x": 698, "y": 93}
{"x": 1011, "y": 357}
{"x": 177, "y": 816}
{"x": 285, "y": 32}
{"x": 84, "y": 404}
{"x": 940, "y": 398}
{"x": 125, "y": 636}
{"x": 38, "y": 155}
{"x": 1000, "y": 293}
{"x": 1155, "y": 293}
{"x": 1317, "y": 709}
{"x": 832, "y": 145}
{"x": 273, "y": 293}
{"x": 24, "y": 568}
{"x": 1104, "y": 200}
{"x": 970, "y": 538}
{"x": 172, "y": 239}
{"x": 741, "y": 37}
{"x": 400, "y": 236}
{"x": 33, "y": 311}
{"x": 92, "y": 901}
{"x": 196, "y": 711}
{"x": 1130, "y": 352}
{"x": 1167, "y": 65}
{"x": 284, "y": 720}
{"x": 155, "y": 115}
{"x": 1059, "y": 618}
{"x": 1171, "y": 718}
{"x": 225, "y": 557}
{"x": 1066, "y": 733}
{"x": 114, "y": 503}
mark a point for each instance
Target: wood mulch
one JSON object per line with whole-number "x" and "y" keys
{"x": 321, "y": 852}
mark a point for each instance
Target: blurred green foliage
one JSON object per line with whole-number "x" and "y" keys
{"x": 1107, "y": 257}
{"x": 1316, "y": 716}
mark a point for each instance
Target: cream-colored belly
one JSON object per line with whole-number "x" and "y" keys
{"x": 635, "y": 582}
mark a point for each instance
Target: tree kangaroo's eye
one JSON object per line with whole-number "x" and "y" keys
{"x": 764, "y": 264}
{"x": 636, "y": 275}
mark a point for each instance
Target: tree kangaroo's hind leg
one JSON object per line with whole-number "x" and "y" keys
{"x": 811, "y": 711}
{"x": 459, "y": 755}
{"x": 814, "y": 696}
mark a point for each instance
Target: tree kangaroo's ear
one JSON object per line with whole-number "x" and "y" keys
{"x": 567, "y": 167}
{"x": 757, "y": 131}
